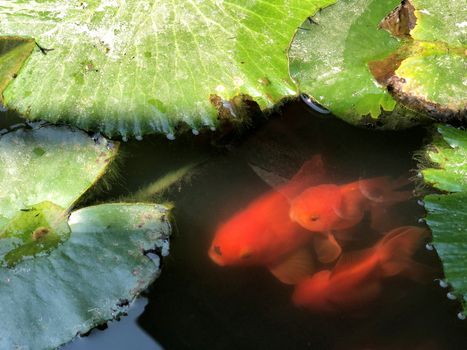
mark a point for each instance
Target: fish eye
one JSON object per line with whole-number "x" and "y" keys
{"x": 314, "y": 218}
{"x": 217, "y": 250}
{"x": 246, "y": 255}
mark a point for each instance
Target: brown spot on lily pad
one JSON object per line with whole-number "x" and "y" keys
{"x": 40, "y": 233}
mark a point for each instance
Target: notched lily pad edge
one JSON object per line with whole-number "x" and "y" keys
{"x": 154, "y": 250}
{"x": 438, "y": 202}
{"x": 158, "y": 251}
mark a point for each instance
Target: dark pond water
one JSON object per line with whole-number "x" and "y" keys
{"x": 196, "y": 304}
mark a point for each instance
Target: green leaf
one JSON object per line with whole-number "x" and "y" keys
{"x": 36, "y": 229}
{"x": 449, "y": 153}
{"x": 360, "y": 64}
{"x": 429, "y": 76}
{"x": 329, "y": 58}
{"x": 87, "y": 280}
{"x": 56, "y": 164}
{"x": 133, "y": 67}
{"x": 13, "y": 52}
{"x": 440, "y": 21}
{"x": 442, "y": 89}
{"x": 447, "y": 218}
{"x": 447, "y": 213}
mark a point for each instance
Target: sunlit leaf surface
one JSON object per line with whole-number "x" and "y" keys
{"x": 444, "y": 86}
{"x": 87, "y": 280}
{"x": 447, "y": 213}
{"x": 131, "y": 67}
{"x": 440, "y": 21}
{"x": 13, "y": 52}
{"x": 55, "y": 164}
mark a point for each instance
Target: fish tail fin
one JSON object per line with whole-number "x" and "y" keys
{"x": 400, "y": 182}
{"x": 396, "y": 250}
{"x": 397, "y": 196}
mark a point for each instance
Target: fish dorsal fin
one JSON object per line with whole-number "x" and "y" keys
{"x": 392, "y": 235}
{"x": 295, "y": 267}
{"x": 326, "y": 247}
{"x": 351, "y": 259}
{"x": 311, "y": 173}
{"x": 273, "y": 180}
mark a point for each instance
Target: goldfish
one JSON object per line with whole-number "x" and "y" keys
{"x": 263, "y": 233}
{"x": 328, "y": 207}
{"x": 357, "y": 278}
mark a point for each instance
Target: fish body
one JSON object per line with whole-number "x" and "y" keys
{"x": 263, "y": 233}
{"x": 329, "y": 207}
{"x": 357, "y": 278}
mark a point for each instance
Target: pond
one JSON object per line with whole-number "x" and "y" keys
{"x": 196, "y": 304}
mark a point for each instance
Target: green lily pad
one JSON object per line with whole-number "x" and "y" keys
{"x": 440, "y": 21}
{"x": 379, "y": 53}
{"x": 329, "y": 58}
{"x": 89, "y": 279}
{"x": 447, "y": 213}
{"x": 430, "y": 78}
{"x": 135, "y": 67}
{"x": 441, "y": 92}
{"x": 13, "y": 52}
{"x": 55, "y": 164}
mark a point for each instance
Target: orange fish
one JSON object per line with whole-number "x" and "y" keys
{"x": 329, "y": 207}
{"x": 357, "y": 277}
{"x": 263, "y": 234}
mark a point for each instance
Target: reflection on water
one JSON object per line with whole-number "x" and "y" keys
{"x": 198, "y": 304}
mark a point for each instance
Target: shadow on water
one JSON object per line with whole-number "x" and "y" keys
{"x": 196, "y": 304}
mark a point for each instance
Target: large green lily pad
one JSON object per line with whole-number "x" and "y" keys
{"x": 135, "y": 67}
{"x": 447, "y": 213}
{"x": 360, "y": 64}
{"x": 89, "y": 279}
{"x": 55, "y": 164}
